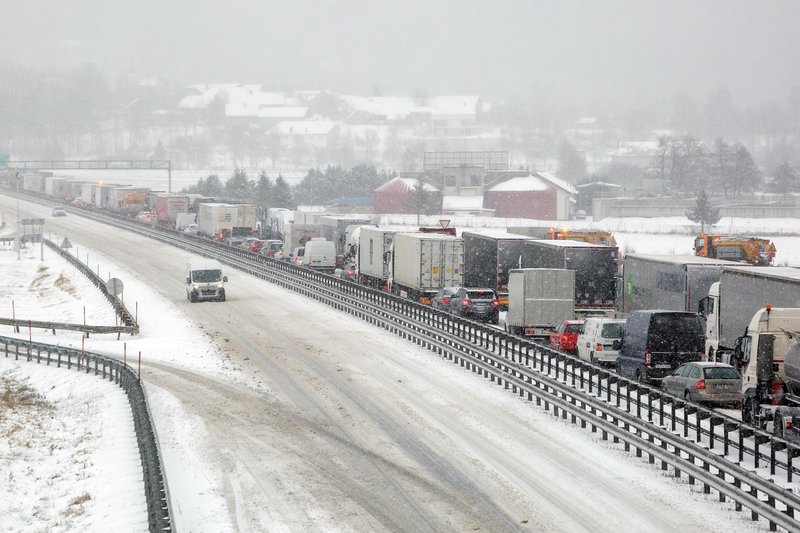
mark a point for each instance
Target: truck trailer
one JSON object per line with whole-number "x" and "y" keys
{"x": 374, "y": 256}
{"x": 488, "y": 258}
{"x": 168, "y": 207}
{"x": 423, "y": 263}
{"x": 538, "y": 300}
{"x": 214, "y": 218}
{"x": 740, "y": 292}
{"x": 669, "y": 282}
{"x": 595, "y": 269}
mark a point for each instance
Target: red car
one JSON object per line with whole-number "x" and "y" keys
{"x": 565, "y": 337}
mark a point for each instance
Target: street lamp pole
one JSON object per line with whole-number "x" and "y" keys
{"x": 19, "y": 242}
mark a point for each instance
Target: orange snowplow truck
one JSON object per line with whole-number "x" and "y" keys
{"x": 604, "y": 238}
{"x": 752, "y": 250}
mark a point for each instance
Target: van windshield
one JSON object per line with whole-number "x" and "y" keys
{"x": 675, "y": 332}
{"x": 612, "y": 330}
{"x": 206, "y": 276}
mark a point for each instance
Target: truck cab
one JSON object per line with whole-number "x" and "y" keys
{"x": 205, "y": 282}
{"x": 769, "y": 360}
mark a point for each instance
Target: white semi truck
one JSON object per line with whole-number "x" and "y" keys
{"x": 768, "y": 356}
{"x": 733, "y": 300}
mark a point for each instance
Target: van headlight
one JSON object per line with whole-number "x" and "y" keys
{"x": 220, "y": 285}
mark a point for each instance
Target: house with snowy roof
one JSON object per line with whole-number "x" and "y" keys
{"x": 396, "y": 196}
{"x": 539, "y": 195}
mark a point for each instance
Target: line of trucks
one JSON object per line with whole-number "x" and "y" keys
{"x": 752, "y": 314}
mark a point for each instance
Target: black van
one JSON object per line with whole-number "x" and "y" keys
{"x": 656, "y": 342}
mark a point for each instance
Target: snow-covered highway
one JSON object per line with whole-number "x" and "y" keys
{"x": 277, "y": 413}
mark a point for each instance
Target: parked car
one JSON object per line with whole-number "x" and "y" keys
{"x": 656, "y": 342}
{"x": 443, "y": 298}
{"x": 347, "y": 271}
{"x": 600, "y": 340}
{"x": 235, "y": 240}
{"x": 296, "y": 256}
{"x": 271, "y": 247}
{"x": 59, "y": 212}
{"x": 191, "y": 229}
{"x": 706, "y": 382}
{"x": 248, "y": 243}
{"x": 254, "y": 244}
{"x": 477, "y": 304}
{"x": 565, "y": 337}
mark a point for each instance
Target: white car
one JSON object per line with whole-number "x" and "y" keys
{"x": 597, "y": 342}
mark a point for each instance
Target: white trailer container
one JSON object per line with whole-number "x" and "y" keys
{"x": 538, "y": 300}
{"x": 214, "y": 218}
{"x": 423, "y": 263}
{"x": 87, "y": 193}
{"x": 374, "y": 255}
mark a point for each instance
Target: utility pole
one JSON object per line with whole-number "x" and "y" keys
{"x": 19, "y": 243}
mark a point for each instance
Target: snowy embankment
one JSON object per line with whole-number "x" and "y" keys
{"x": 69, "y": 459}
{"x": 55, "y": 290}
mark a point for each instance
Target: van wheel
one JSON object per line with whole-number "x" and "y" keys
{"x": 686, "y": 396}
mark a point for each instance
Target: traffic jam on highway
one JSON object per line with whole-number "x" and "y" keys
{"x": 718, "y": 327}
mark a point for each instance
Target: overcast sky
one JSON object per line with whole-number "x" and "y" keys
{"x": 579, "y": 50}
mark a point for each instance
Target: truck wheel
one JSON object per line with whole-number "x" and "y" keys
{"x": 222, "y": 297}
{"x": 591, "y": 358}
{"x": 777, "y": 424}
{"x": 748, "y": 410}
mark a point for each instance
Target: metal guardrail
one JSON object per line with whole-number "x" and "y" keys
{"x": 562, "y": 383}
{"x": 125, "y": 316}
{"x": 84, "y": 328}
{"x": 158, "y": 510}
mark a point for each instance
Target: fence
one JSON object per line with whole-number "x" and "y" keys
{"x": 158, "y": 511}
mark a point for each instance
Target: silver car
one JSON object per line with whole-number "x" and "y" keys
{"x": 705, "y": 382}
{"x": 443, "y": 298}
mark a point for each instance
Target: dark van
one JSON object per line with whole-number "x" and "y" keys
{"x": 657, "y": 342}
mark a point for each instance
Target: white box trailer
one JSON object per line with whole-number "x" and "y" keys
{"x": 213, "y": 218}
{"x": 88, "y": 192}
{"x": 538, "y": 300}
{"x": 423, "y": 263}
{"x": 374, "y": 255}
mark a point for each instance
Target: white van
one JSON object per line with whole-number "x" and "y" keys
{"x": 596, "y": 343}
{"x": 205, "y": 282}
{"x": 320, "y": 254}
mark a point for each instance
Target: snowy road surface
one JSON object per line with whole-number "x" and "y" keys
{"x": 276, "y": 413}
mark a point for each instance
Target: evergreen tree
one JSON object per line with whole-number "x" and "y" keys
{"x": 746, "y": 175}
{"x": 423, "y": 202}
{"x": 239, "y": 186}
{"x": 282, "y": 195}
{"x": 785, "y": 178}
{"x": 703, "y": 212}
{"x": 571, "y": 164}
{"x": 264, "y": 191}
{"x": 212, "y": 186}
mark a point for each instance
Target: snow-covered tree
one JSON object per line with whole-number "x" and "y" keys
{"x": 703, "y": 212}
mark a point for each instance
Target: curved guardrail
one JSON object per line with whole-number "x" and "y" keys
{"x": 158, "y": 509}
{"x": 677, "y": 433}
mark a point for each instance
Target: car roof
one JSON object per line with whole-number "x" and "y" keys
{"x": 707, "y": 364}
